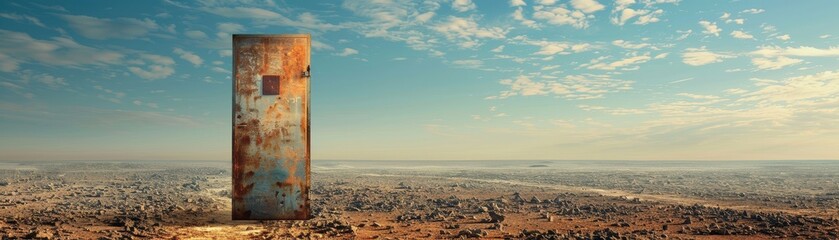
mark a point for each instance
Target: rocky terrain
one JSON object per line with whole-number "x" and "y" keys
{"x": 372, "y": 200}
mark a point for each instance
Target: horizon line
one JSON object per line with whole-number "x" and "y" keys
{"x": 230, "y": 160}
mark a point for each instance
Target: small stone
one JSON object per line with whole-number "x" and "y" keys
{"x": 496, "y": 217}
{"x": 39, "y": 234}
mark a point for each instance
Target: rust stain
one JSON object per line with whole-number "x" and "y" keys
{"x": 271, "y": 150}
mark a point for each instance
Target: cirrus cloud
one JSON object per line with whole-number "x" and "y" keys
{"x": 701, "y": 56}
{"x": 104, "y": 28}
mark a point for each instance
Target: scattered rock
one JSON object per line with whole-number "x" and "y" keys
{"x": 496, "y": 217}
{"x": 39, "y": 234}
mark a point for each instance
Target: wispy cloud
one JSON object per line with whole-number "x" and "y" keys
{"x": 50, "y": 80}
{"x": 561, "y": 16}
{"x": 195, "y": 34}
{"x": 553, "y": 47}
{"x": 104, "y": 28}
{"x": 463, "y": 5}
{"x": 773, "y": 57}
{"x": 59, "y": 51}
{"x": 646, "y": 13}
{"x": 753, "y": 11}
{"x": 741, "y": 35}
{"x": 347, "y": 52}
{"x": 612, "y": 111}
{"x": 467, "y": 32}
{"x": 585, "y": 86}
{"x": 628, "y": 63}
{"x": 109, "y": 95}
{"x": 587, "y": 6}
{"x": 518, "y": 15}
{"x": 802, "y": 51}
{"x": 261, "y": 14}
{"x": 189, "y": 56}
{"x": 470, "y": 63}
{"x": 774, "y": 63}
{"x": 711, "y": 28}
{"x": 701, "y": 56}
{"x": 392, "y": 21}
{"x": 23, "y": 17}
{"x": 158, "y": 67}
{"x": 629, "y": 45}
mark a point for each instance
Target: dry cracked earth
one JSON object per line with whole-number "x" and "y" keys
{"x": 431, "y": 200}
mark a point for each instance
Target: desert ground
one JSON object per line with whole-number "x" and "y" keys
{"x": 431, "y": 200}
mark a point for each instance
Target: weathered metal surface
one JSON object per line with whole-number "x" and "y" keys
{"x": 271, "y": 161}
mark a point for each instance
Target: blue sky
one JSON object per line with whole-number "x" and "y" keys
{"x": 578, "y": 79}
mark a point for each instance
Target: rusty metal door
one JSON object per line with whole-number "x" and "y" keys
{"x": 271, "y": 127}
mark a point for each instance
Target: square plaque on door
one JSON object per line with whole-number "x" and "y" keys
{"x": 270, "y": 85}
